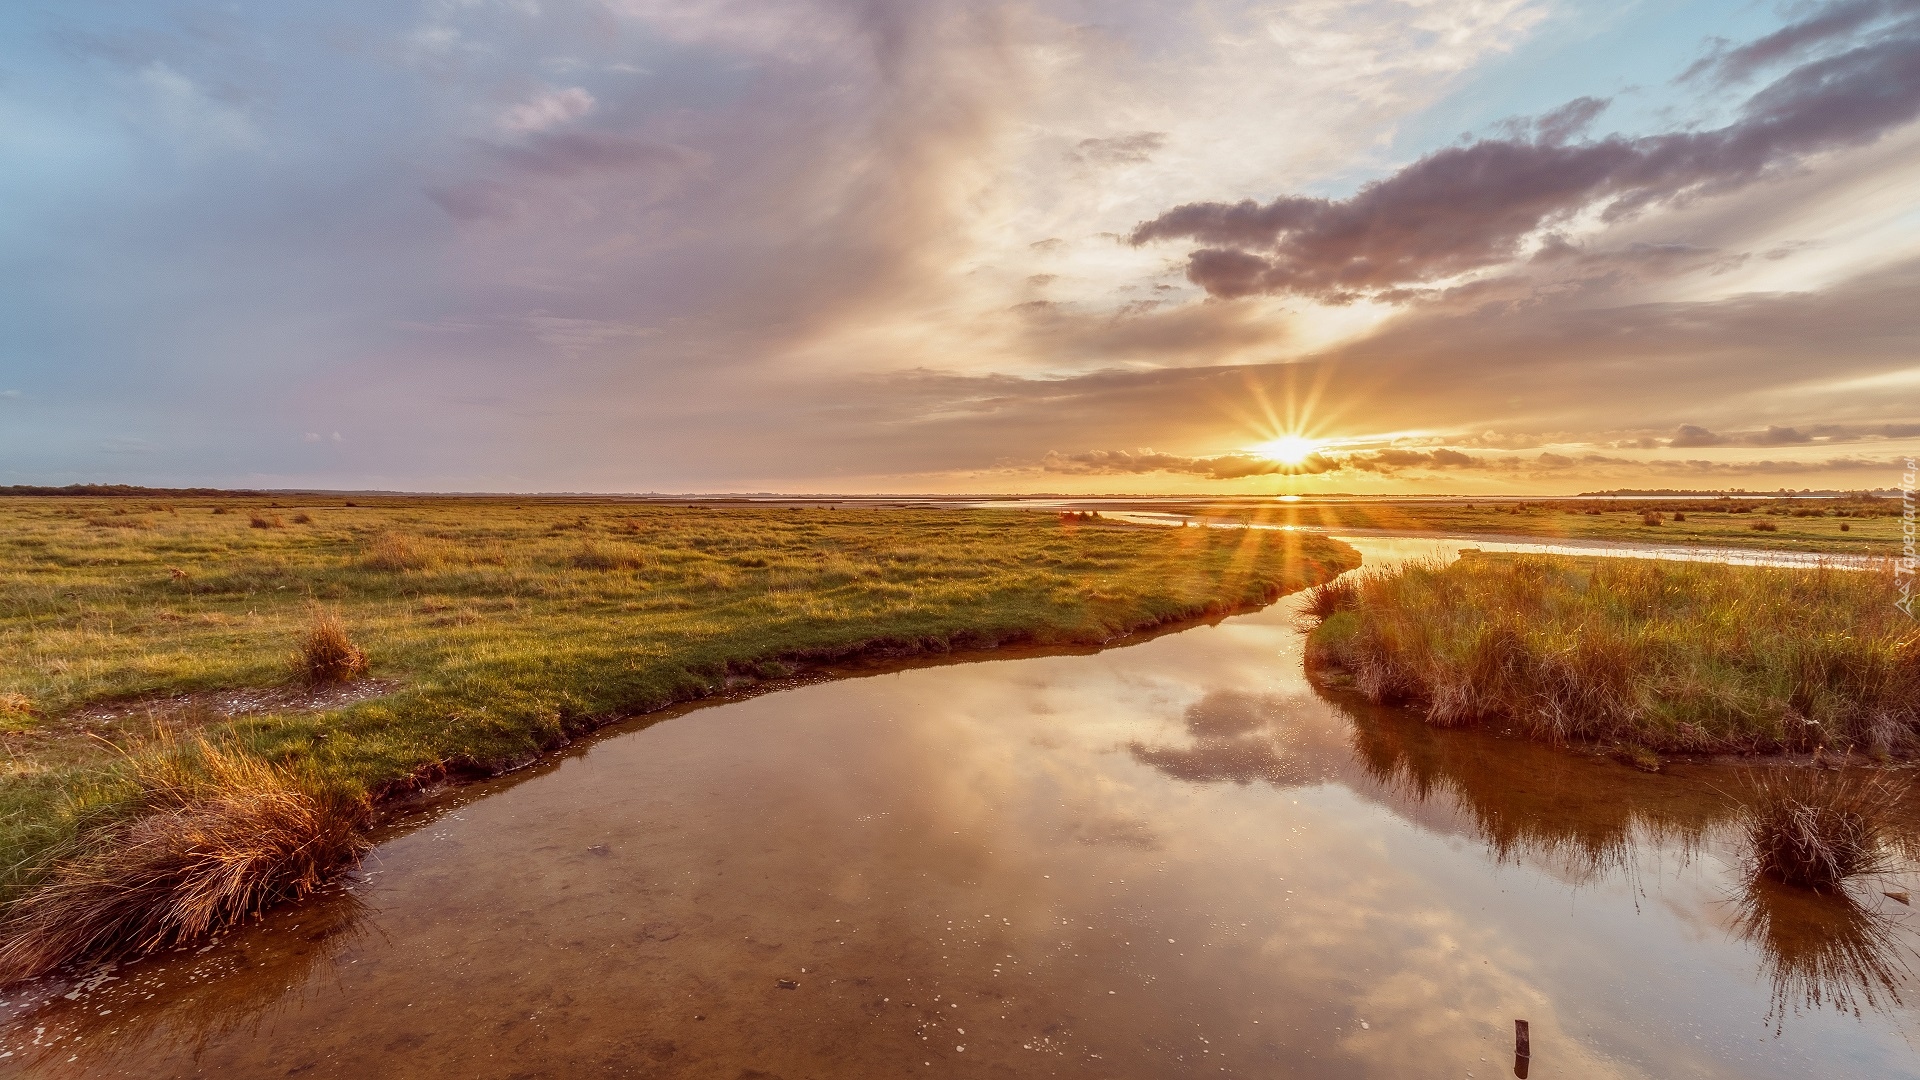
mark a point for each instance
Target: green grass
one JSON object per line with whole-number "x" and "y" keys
{"x": 1672, "y": 656}
{"x": 1859, "y": 526}
{"x": 508, "y": 627}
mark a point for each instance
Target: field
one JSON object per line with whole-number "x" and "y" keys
{"x": 1856, "y": 526}
{"x": 1653, "y": 656}
{"x": 494, "y": 629}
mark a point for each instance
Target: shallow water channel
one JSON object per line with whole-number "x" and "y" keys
{"x": 1172, "y": 858}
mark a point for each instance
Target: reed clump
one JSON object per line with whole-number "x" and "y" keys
{"x": 397, "y": 552}
{"x": 1815, "y": 828}
{"x": 592, "y": 556}
{"x": 1330, "y": 599}
{"x": 327, "y": 654}
{"x": 221, "y": 836}
{"x": 1669, "y": 656}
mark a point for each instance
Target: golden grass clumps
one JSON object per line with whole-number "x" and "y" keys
{"x": 1814, "y": 828}
{"x": 266, "y": 521}
{"x": 1671, "y": 656}
{"x": 223, "y": 835}
{"x": 396, "y": 551}
{"x": 1328, "y": 600}
{"x": 592, "y": 556}
{"x": 327, "y": 654}
{"x": 16, "y": 711}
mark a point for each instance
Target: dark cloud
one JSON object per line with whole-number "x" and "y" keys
{"x": 1835, "y": 20}
{"x": 1470, "y": 207}
{"x": 1779, "y": 436}
{"x": 1569, "y": 120}
{"x": 1693, "y": 435}
{"x": 1221, "y": 467}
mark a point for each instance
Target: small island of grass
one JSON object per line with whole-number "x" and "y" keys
{"x": 1652, "y": 656}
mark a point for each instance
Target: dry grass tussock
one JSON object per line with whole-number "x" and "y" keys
{"x": 397, "y": 551}
{"x": 16, "y": 711}
{"x": 266, "y": 521}
{"x": 1815, "y": 828}
{"x": 221, "y": 837}
{"x": 1678, "y": 657}
{"x": 592, "y": 556}
{"x": 327, "y": 654}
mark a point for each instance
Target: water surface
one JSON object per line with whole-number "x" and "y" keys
{"x": 1175, "y": 858}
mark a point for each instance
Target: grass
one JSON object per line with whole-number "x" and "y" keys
{"x": 1862, "y": 525}
{"x": 328, "y": 655}
{"x": 1661, "y": 656}
{"x": 1815, "y": 828}
{"x": 219, "y": 836}
{"x": 500, "y": 629}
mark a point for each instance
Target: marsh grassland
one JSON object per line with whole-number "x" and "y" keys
{"x": 1653, "y": 656}
{"x": 173, "y": 670}
{"x": 1861, "y": 525}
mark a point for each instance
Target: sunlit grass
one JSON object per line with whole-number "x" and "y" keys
{"x": 1679, "y": 656}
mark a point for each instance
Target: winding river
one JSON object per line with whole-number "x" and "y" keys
{"x": 1172, "y": 858}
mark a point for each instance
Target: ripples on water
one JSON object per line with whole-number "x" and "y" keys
{"x": 1169, "y": 859}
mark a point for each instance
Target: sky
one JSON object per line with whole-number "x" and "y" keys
{"x": 1146, "y": 246}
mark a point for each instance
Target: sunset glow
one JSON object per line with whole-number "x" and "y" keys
{"x": 1288, "y": 449}
{"x": 809, "y": 245}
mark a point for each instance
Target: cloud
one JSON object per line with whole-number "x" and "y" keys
{"x": 1396, "y": 462}
{"x": 1778, "y": 436}
{"x": 1791, "y": 41}
{"x": 649, "y": 165}
{"x": 1239, "y": 465}
{"x": 1132, "y": 149}
{"x": 1693, "y": 435}
{"x": 9, "y": 394}
{"x": 791, "y": 254}
{"x": 191, "y": 111}
{"x": 550, "y": 108}
{"x": 1467, "y": 208}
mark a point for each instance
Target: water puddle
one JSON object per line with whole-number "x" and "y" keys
{"x": 1176, "y": 858}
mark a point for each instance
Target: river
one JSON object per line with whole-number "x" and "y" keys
{"x": 1176, "y": 857}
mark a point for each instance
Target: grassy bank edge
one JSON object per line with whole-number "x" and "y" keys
{"x": 1633, "y": 657}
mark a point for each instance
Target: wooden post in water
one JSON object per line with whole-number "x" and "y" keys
{"x": 1522, "y": 1049}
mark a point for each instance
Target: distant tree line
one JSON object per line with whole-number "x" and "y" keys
{"x": 116, "y": 491}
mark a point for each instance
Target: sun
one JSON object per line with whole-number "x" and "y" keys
{"x": 1288, "y": 449}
